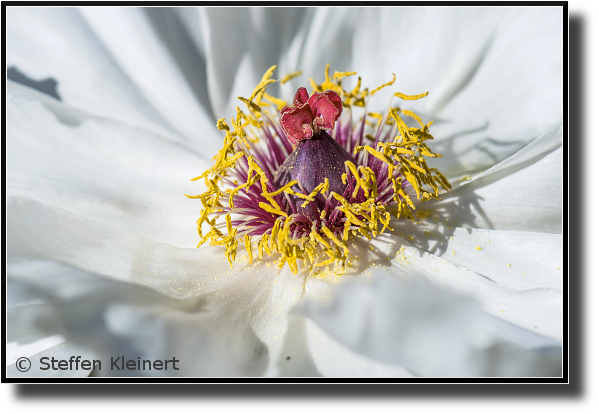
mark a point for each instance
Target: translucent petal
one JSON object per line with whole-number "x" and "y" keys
{"x": 258, "y": 295}
{"x": 136, "y": 81}
{"x": 101, "y": 169}
{"x": 310, "y": 351}
{"x": 494, "y": 75}
{"x": 538, "y": 308}
{"x": 425, "y": 329}
{"x": 160, "y": 74}
{"x": 242, "y": 43}
{"x": 524, "y": 192}
{"x": 120, "y": 319}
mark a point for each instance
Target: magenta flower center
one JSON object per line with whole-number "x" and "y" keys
{"x": 317, "y": 155}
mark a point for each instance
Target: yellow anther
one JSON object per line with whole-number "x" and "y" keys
{"x": 426, "y": 152}
{"x": 398, "y": 190}
{"x": 248, "y": 247}
{"x": 272, "y": 210}
{"x": 326, "y": 73}
{"x": 412, "y": 164}
{"x": 263, "y": 246}
{"x": 414, "y": 116}
{"x": 222, "y": 125}
{"x": 293, "y": 75}
{"x": 280, "y": 190}
{"x": 229, "y": 226}
{"x": 401, "y": 125}
{"x": 314, "y": 85}
{"x": 410, "y": 97}
{"x": 273, "y": 236}
{"x": 266, "y": 80}
{"x": 239, "y": 187}
{"x": 250, "y": 104}
{"x": 365, "y": 233}
{"x": 383, "y": 85}
{"x": 341, "y": 75}
{"x": 395, "y": 148}
{"x": 322, "y": 187}
{"x": 359, "y": 184}
{"x": 282, "y": 261}
{"x": 319, "y": 238}
{"x": 278, "y": 102}
{"x": 326, "y": 262}
{"x": 231, "y": 161}
{"x": 375, "y": 153}
{"x": 334, "y": 239}
{"x": 325, "y": 186}
{"x": 195, "y": 197}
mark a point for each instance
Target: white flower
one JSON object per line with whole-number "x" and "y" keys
{"x": 98, "y": 227}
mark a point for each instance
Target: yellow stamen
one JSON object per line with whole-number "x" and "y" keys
{"x": 405, "y": 156}
{"x": 410, "y": 97}
{"x": 383, "y": 85}
{"x": 272, "y": 210}
{"x": 341, "y": 75}
{"x": 250, "y": 104}
{"x": 293, "y": 75}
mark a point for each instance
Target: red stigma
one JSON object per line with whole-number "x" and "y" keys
{"x": 310, "y": 114}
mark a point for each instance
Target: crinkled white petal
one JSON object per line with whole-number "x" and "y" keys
{"x": 120, "y": 319}
{"x": 310, "y": 351}
{"x": 523, "y": 193}
{"x": 494, "y": 75}
{"x": 160, "y": 74}
{"x": 258, "y": 294}
{"x": 100, "y": 168}
{"x": 427, "y": 330}
{"x": 36, "y": 231}
{"x": 59, "y": 43}
{"x": 513, "y": 259}
{"x": 538, "y": 309}
{"x": 242, "y": 43}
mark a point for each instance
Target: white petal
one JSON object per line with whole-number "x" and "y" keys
{"x": 260, "y": 294}
{"x": 427, "y": 330}
{"x": 515, "y": 260}
{"x": 524, "y": 192}
{"x": 243, "y": 43}
{"x": 388, "y": 322}
{"x": 136, "y": 45}
{"x": 120, "y": 319}
{"x": 494, "y": 74}
{"x": 537, "y": 309}
{"x": 310, "y": 351}
{"x": 59, "y": 43}
{"x": 25, "y": 326}
{"x": 101, "y": 169}
{"x": 38, "y": 232}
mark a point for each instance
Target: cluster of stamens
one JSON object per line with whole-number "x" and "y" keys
{"x": 287, "y": 187}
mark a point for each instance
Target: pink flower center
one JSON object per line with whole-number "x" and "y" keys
{"x": 309, "y": 115}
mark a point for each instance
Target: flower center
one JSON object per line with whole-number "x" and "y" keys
{"x": 305, "y": 203}
{"x": 317, "y": 156}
